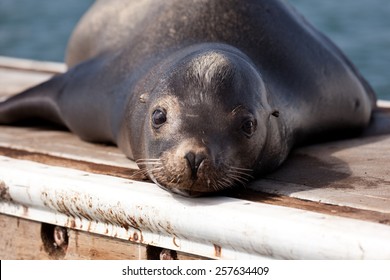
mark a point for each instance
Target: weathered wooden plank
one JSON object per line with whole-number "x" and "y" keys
{"x": 21, "y": 239}
{"x": 25, "y": 239}
{"x": 88, "y": 246}
{"x": 32, "y": 65}
{"x": 61, "y": 144}
{"x": 351, "y": 173}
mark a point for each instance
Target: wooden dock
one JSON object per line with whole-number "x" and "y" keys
{"x": 328, "y": 201}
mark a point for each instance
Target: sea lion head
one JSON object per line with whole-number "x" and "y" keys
{"x": 207, "y": 124}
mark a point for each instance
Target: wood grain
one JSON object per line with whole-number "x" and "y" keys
{"x": 22, "y": 239}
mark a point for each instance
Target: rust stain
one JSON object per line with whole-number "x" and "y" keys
{"x": 217, "y": 251}
{"x": 71, "y": 223}
{"x": 133, "y": 221}
{"x": 142, "y": 237}
{"x": 135, "y": 236}
{"x": 169, "y": 228}
{"x": 76, "y": 207}
{"x": 25, "y": 210}
{"x": 4, "y": 192}
{"x": 175, "y": 242}
{"x": 385, "y": 221}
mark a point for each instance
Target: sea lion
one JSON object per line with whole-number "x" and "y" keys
{"x": 202, "y": 94}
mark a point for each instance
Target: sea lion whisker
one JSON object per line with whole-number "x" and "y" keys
{"x": 155, "y": 169}
{"x": 227, "y": 182}
{"x": 218, "y": 186}
{"x": 142, "y": 172}
{"x": 239, "y": 179}
{"x": 241, "y": 169}
{"x": 233, "y": 175}
{"x": 151, "y": 164}
{"x": 243, "y": 174}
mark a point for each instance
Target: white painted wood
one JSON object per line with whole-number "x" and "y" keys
{"x": 383, "y": 103}
{"x": 32, "y": 65}
{"x": 143, "y": 212}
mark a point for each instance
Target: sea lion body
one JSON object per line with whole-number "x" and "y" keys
{"x": 203, "y": 94}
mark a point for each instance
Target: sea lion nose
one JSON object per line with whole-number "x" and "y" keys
{"x": 194, "y": 160}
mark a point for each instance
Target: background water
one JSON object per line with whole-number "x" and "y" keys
{"x": 39, "y": 29}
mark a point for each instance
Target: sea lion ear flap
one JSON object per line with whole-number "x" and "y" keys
{"x": 144, "y": 98}
{"x": 275, "y": 113}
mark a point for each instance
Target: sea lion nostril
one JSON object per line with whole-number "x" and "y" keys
{"x": 194, "y": 160}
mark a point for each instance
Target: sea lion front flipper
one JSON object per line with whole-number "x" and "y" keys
{"x": 80, "y": 99}
{"x": 34, "y": 103}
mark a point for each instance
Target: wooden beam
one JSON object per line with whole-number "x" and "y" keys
{"x": 25, "y": 239}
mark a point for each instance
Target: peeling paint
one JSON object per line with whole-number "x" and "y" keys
{"x": 135, "y": 236}
{"x": 217, "y": 251}
{"x": 175, "y": 242}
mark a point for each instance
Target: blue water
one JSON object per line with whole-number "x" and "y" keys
{"x": 361, "y": 28}
{"x": 39, "y": 29}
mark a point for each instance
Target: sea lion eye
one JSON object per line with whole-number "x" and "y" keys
{"x": 249, "y": 127}
{"x": 159, "y": 117}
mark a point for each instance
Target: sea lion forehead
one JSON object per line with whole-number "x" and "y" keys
{"x": 210, "y": 66}
{"x": 206, "y": 77}
{"x": 219, "y": 76}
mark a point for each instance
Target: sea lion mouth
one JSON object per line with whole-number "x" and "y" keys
{"x": 188, "y": 180}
